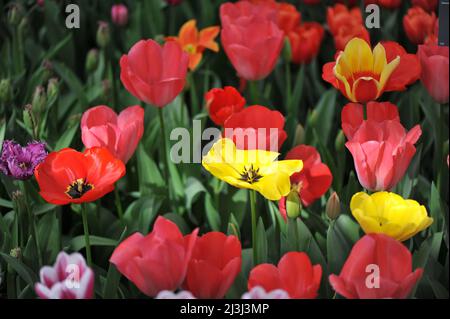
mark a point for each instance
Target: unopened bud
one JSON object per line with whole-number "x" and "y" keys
{"x": 293, "y": 204}
{"x": 16, "y": 195}
{"x": 28, "y": 117}
{"x": 339, "y": 143}
{"x": 52, "y": 88}
{"x": 287, "y": 51}
{"x": 333, "y": 208}
{"x": 48, "y": 69}
{"x": 103, "y": 34}
{"x": 5, "y": 91}
{"x": 15, "y": 14}
{"x": 39, "y": 100}
{"x": 299, "y": 135}
{"x": 119, "y": 14}
{"x": 91, "y": 60}
{"x": 312, "y": 119}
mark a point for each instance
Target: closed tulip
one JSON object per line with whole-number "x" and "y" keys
{"x": 288, "y": 17}
{"x": 381, "y": 147}
{"x": 305, "y": 41}
{"x": 119, "y": 14}
{"x": 251, "y": 38}
{"x": 256, "y": 127}
{"x": 434, "y": 61}
{"x": 378, "y": 267}
{"x": 222, "y": 103}
{"x": 389, "y": 4}
{"x": 157, "y": 261}
{"x": 120, "y": 134}
{"x": 419, "y": 24}
{"x": 428, "y": 5}
{"x": 389, "y": 214}
{"x": 215, "y": 263}
{"x": 154, "y": 74}
{"x": 294, "y": 274}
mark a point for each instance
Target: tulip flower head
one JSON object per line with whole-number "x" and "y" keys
{"x": 120, "y": 134}
{"x": 69, "y": 278}
{"x": 305, "y": 41}
{"x": 419, "y": 25}
{"x": 389, "y": 214}
{"x": 19, "y": 161}
{"x": 194, "y": 42}
{"x": 294, "y": 274}
{"x": 222, "y": 103}
{"x": 154, "y": 74}
{"x": 381, "y": 147}
{"x": 362, "y": 75}
{"x": 390, "y": 267}
{"x": 157, "y": 261}
{"x": 119, "y": 14}
{"x": 68, "y": 176}
{"x": 251, "y": 169}
{"x": 435, "y": 68}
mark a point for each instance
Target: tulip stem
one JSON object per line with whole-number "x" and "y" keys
{"x": 288, "y": 85}
{"x": 254, "y": 92}
{"x": 253, "y": 212}
{"x": 118, "y": 203}
{"x": 86, "y": 234}
{"x": 164, "y": 147}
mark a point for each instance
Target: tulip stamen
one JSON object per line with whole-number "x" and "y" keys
{"x": 250, "y": 175}
{"x": 78, "y": 188}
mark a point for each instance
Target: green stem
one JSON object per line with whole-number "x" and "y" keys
{"x": 86, "y": 234}
{"x": 288, "y": 85}
{"x": 118, "y": 203}
{"x": 164, "y": 146}
{"x": 254, "y": 92}
{"x": 31, "y": 222}
{"x": 193, "y": 91}
{"x": 253, "y": 212}
{"x": 439, "y": 146}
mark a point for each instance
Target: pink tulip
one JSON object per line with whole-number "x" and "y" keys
{"x": 251, "y": 38}
{"x": 69, "y": 278}
{"x": 120, "y": 134}
{"x": 119, "y": 14}
{"x": 434, "y": 61}
{"x": 154, "y": 74}
{"x": 381, "y": 147}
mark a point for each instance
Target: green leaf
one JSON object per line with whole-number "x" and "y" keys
{"x": 194, "y": 188}
{"x": 6, "y": 203}
{"x": 148, "y": 172}
{"x": 22, "y": 270}
{"x": 66, "y": 139}
{"x": 113, "y": 277}
{"x": 2, "y": 132}
{"x": 73, "y": 82}
{"x": 212, "y": 215}
{"x": 261, "y": 243}
{"x": 233, "y": 227}
{"x": 77, "y": 243}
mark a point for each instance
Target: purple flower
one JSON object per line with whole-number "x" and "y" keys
{"x": 69, "y": 278}
{"x": 19, "y": 161}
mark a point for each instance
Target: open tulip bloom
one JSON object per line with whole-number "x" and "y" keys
{"x": 224, "y": 149}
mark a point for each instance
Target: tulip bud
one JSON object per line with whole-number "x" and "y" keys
{"x": 312, "y": 119}
{"x": 15, "y": 252}
{"x": 28, "y": 117}
{"x": 339, "y": 143}
{"x": 91, "y": 60}
{"x": 287, "y": 51}
{"x": 293, "y": 204}
{"x": 39, "y": 101}
{"x": 103, "y": 34}
{"x": 52, "y": 88}
{"x": 299, "y": 135}
{"x": 15, "y": 14}
{"x": 5, "y": 91}
{"x": 119, "y": 14}
{"x": 48, "y": 70}
{"x": 333, "y": 208}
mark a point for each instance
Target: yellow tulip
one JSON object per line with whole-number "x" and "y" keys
{"x": 389, "y": 214}
{"x": 251, "y": 169}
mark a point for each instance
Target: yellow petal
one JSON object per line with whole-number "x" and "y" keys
{"x": 359, "y": 55}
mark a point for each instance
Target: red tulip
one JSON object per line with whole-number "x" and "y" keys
{"x": 434, "y": 61}
{"x": 154, "y": 74}
{"x": 222, "y": 103}
{"x": 100, "y": 126}
{"x": 288, "y": 17}
{"x": 340, "y": 15}
{"x": 215, "y": 263}
{"x": 157, "y": 261}
{"x": 428, "y": 5}
{"x": 314, "y": 179}
{"x": 378, "y": 267}
{"x": 119, "y": 14}
{"x": 305, "y": 41}
{"x": 256, "y": 127}
{"x": 381, "y": 147}
{"x": 68, "y": 176}
{"x": 294, "y": 274}
{"x": 418, "y": 24}
{"x": 251, "y": 38}
{"x": 390, "y": 4}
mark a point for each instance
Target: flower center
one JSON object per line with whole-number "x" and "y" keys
{"x": 250, "y": 174}
{"x": 78, "y": 188}
{"x": 24, "y": 165}
{"x": 190, "y": 48}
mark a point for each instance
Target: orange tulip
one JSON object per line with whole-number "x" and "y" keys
{"x": 194, "y": 42}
